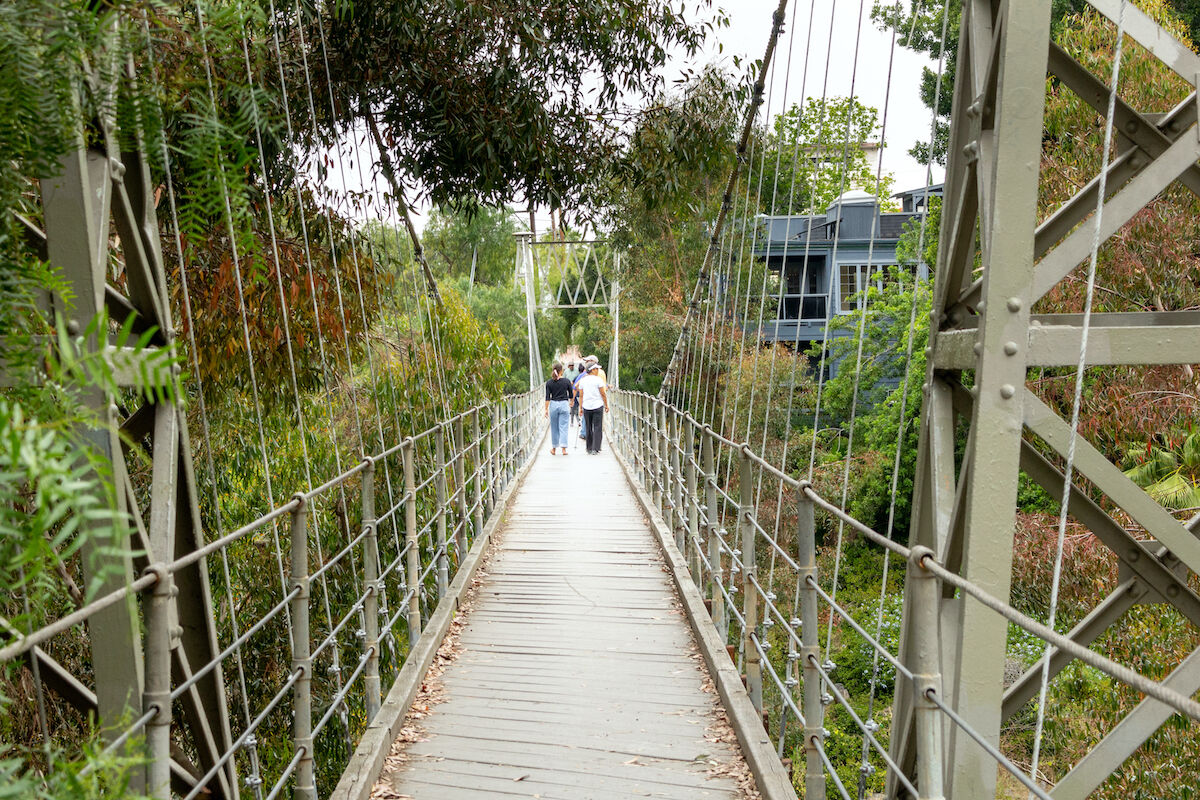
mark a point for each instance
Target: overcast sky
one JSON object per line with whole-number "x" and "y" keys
{"x": 858, "y": 63}
{"x": 809, "y": 63}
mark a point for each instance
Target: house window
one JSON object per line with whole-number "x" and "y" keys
{"x": 852, "y": 283}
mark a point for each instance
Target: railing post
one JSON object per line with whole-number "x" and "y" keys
{"x": 749, "y": 575}
{"x": 652, "y": 453}
{"x": 413, "y": 557}
{"x": 693, "y": 503}
{"x": 477, "y": 475}
{"x": 810, "y": 651}
{"x": 677, "y": 518}
{"x": 461, "y": 540}
{"x": 439, "y": 483}
{"x": 305, "y": 786}
{"x": 506, "y": 440}
{"x": 664, "y": 466}
{"x": 647, "y": 448}
{"x": 715, "y": 556}
{"x": 372, "y": 589}
{"x": 927, "y": 679}
{"x": 494, "y": 440}
{"x": 157, "y": 691}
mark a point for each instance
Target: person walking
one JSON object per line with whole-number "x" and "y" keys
{"x": 558, "y": 411}
{"x": 579, "y": 409}
{"x": 593, "y": 360}
{"x": 571, "y": 374}
{"x": 593, "y": 397}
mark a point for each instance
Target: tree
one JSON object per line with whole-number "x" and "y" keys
{"x": 931, "y": 28}
{"x": 814, "y": 152}
{"x": 453, "y": 239}
{"x": 669, "y": 184}
{"x": 483, "y": 101}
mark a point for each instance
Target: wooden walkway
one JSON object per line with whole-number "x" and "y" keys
{"x": 577, "y": 675}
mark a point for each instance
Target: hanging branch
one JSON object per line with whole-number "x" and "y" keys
{"x": 727, "y": 199}
{"x": 389, "y": 172}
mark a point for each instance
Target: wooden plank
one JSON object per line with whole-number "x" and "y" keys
{"x": 577, "y": 670}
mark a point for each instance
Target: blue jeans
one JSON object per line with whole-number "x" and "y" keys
{"x": 560, "y": 415}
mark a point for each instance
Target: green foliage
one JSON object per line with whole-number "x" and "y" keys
{"x": 814, "y": 152}
{"x": 920, "y": 29}
{"x": 485, "y": 101}
{"x": 672, "y": 176}
{"x": 452, "y": 239}
{"x": 94, "y": 776}
{"x": 871, "y": 353}
{"x": 1170, "y": 474}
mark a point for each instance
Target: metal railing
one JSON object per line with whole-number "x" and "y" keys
{"x": 703, "y": 484}
{"x": 453, "y": 475}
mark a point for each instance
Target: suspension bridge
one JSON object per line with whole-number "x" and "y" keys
{"x": 395, "y": 591}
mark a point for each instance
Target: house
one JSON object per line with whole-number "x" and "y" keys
{"x": 824, "y": 261}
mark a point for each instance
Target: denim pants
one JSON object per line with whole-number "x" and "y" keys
{"x": 560, "y": 414}
{"x": 582, "y": 422}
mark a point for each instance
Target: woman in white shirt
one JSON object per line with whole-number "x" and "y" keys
{"x": 593, "y": 399}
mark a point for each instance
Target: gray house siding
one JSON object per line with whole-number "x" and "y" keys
{"x": 824, "y": 261}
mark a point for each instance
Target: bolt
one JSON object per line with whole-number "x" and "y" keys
{"x": 1014, "y": 304}
{"x": 1010, "y": 348}
{"x": 1007, "y": 391}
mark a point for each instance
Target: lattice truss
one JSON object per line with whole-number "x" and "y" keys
{"x": 574, "y": 274}
{"x": 984, "y": 341}
{"x": 103, "y": 196}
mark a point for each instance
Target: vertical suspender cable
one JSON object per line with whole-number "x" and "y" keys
{"x": 710, "y": 254}
{"x": 1076, "y": 400}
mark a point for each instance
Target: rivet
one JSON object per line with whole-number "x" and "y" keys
{"x": 980, "y": 306}
{"x": 73, "y": 327}
{"x": 1007, "y": 391}
{"x": 1173, "y": 590}
{"x": 1010, "y": 348}
{"x": 978, "y": 348}
{"x": 1134, "y": 555}
{"x": 1014, "y": 304}
{"x": 1131, "y": 127}
{"x": 928, "y": 351}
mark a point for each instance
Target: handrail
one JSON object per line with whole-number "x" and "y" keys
{"x": 479, "y": 462}
{"x": 698, "y": 478}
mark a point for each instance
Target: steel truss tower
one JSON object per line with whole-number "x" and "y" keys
{"x": 102, "y": 194}
{"x": 578, "y": 274}
{"x": 982, "y": 329}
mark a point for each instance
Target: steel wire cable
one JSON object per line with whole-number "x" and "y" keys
{"x": 1077, "y": 396}
{"x": 864, "y": 295}
{"x": 185, "y": 295}
{"x": 731, "y": 183}
{"x": 832, "y": 690}
{"x": 908, "y": 353}
{"x": 313, "y": 517}
{"x": 241, "y": 299}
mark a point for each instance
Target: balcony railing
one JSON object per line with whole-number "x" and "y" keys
{"x": 813, "y": 307}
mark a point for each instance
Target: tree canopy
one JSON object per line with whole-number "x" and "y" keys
{"x": 815, "y": 151}
{"x": 484, "y": 102}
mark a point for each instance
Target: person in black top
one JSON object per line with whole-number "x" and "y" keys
{"x": 558, "y": 407}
